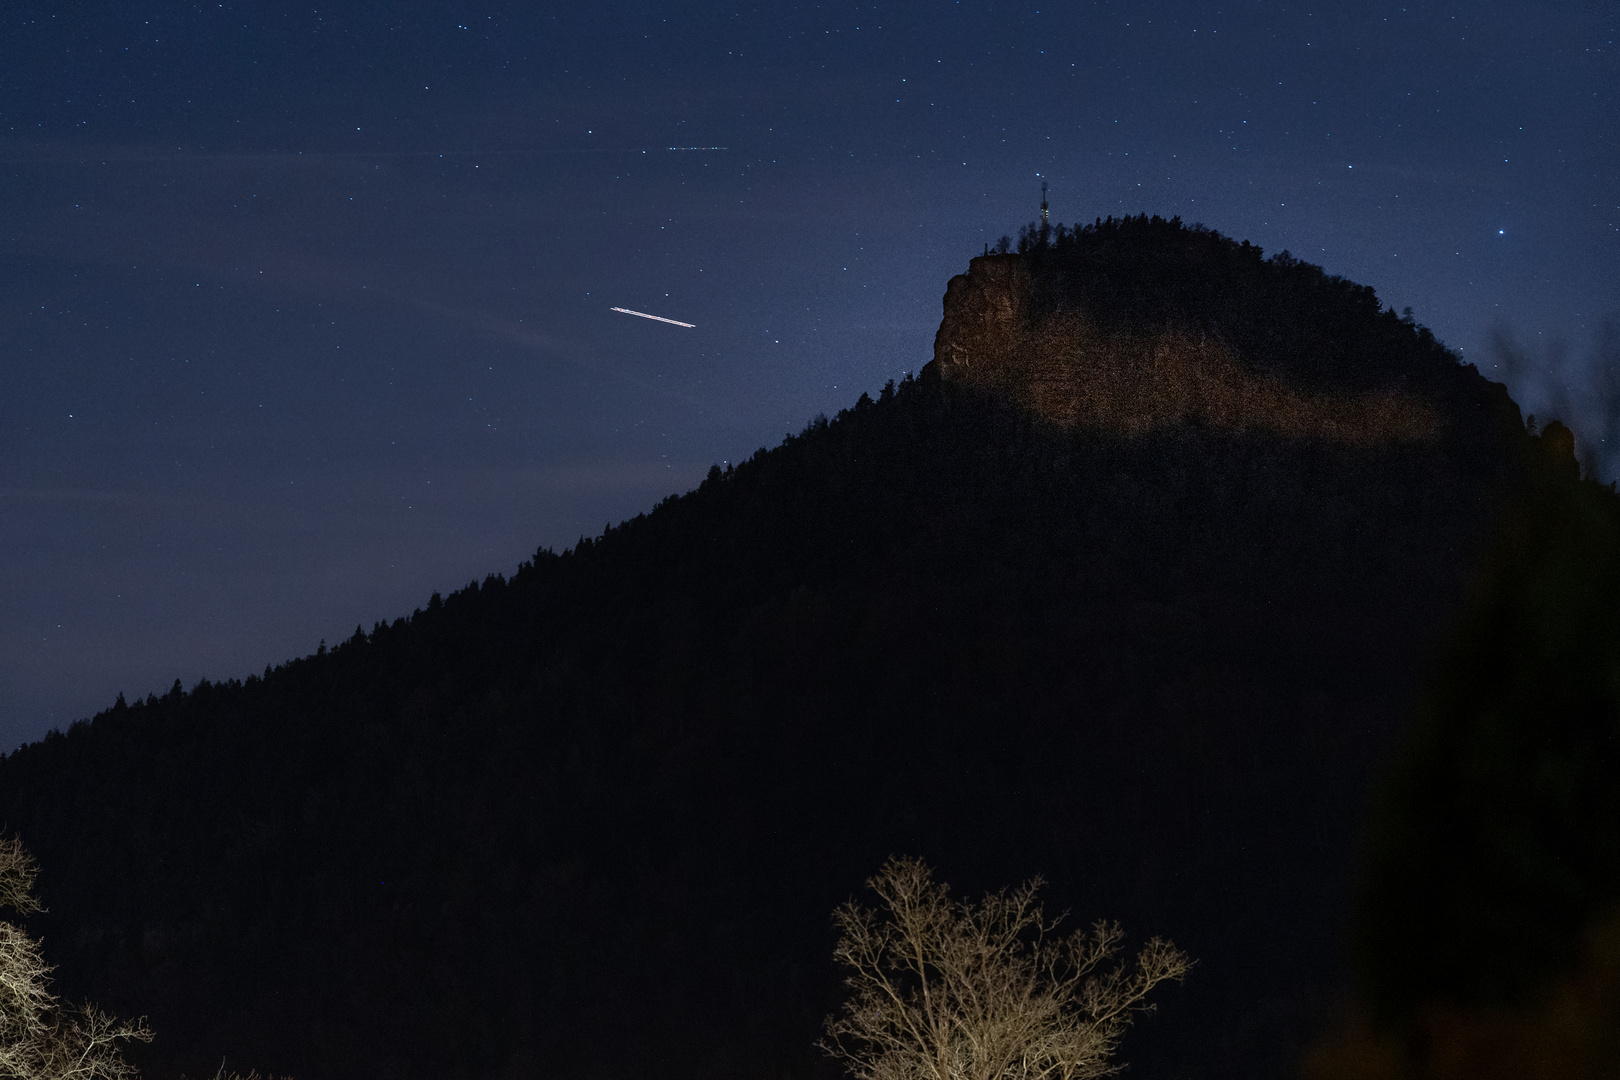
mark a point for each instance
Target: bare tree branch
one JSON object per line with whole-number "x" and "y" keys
{"x": 17, "y": 873}
{"x": 949, "y": 990}
{"x": 40, "y": 1037}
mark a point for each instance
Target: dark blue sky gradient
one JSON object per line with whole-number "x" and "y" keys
{"x": 305, "y": 313}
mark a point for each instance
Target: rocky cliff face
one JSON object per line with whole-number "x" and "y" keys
{"x": 985, "y": 309}
{"x": 1070, "y": 368}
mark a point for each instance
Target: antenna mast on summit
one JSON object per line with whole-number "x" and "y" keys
{"x": 1045, "y": 227}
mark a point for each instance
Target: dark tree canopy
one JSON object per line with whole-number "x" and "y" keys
{"x": 1496, "y": 848}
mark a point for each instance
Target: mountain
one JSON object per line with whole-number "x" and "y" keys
{"x": 1131, "y": 586}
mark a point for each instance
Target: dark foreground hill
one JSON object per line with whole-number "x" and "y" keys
{"x": 593, "y": 819}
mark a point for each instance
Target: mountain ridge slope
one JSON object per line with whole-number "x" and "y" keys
{"x": 597, "y": 815}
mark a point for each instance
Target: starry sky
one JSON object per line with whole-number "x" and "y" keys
{"x": 305, "y": 309}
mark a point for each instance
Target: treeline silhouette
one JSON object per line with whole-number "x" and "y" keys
{"x": 594, "y": 817}
{"x": 1282, "y": 315}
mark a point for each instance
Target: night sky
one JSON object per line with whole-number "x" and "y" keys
{"x": 305, "y": 311}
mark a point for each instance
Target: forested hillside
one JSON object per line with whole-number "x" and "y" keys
{"x": 593, "y": 818}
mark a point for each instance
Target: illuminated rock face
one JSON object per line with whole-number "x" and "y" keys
{"x": 1069, "y": 370}
{"x": 984, "y": 317}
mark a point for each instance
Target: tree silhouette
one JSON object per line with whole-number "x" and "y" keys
{"x": 1581, "y": 391}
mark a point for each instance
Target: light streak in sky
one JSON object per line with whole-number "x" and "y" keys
{"x": 657, "y": 318}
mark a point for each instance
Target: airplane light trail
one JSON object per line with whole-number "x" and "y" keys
{"x": 657, "y": 318}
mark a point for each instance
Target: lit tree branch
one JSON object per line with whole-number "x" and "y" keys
{"x": 952, "y": 990}
{"x": 41, "y": 1038}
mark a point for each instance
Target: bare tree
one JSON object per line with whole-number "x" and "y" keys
{"x": 41, "y": 1038}
{"x": 952, "y": 990}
